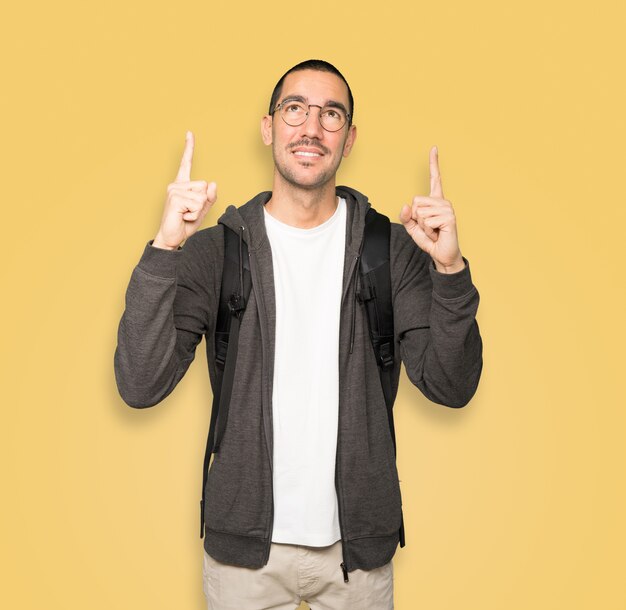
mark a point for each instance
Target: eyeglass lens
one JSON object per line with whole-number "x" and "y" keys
{"x": 295, "y": 113}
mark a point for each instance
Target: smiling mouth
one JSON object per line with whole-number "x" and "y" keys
{"x": 307, "y": 154}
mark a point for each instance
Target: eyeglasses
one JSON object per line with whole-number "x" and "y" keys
{"x": 294, "y": 113}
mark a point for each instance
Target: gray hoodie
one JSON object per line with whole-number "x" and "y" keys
{"x": 172, "y": 301}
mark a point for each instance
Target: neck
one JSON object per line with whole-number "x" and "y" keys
{"x": 302, "y": 208}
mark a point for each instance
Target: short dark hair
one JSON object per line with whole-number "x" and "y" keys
{"x": 311, "y": 64}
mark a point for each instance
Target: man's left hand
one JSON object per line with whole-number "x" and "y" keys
{"x": 430, "y": 221}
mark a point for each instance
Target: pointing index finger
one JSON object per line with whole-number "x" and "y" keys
{"x": 184, "y": 171}
{"x": 436, "y": 189}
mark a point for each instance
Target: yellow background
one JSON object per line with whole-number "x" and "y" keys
{"x": 516, "y": 502}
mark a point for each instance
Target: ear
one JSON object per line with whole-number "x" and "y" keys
{"x": 266, "y": 129}
{"x": 347, "y": 147}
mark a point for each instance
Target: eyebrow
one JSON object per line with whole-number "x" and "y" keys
{"x": 328, "y": 103}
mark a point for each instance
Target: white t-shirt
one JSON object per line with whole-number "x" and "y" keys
{"x": 308, "y": 276}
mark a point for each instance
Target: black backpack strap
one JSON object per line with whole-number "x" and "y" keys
{"x": 375, "y": 294}
{"x": 234, "y": 293}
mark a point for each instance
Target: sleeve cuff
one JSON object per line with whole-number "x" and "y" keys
{"x": 451, "y": 285}
{"x": 159, "y": 261}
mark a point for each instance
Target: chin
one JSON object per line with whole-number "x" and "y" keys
{"x": 306, "y": 180}
{"x": 310, "y": 183}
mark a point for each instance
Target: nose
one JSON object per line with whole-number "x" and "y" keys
{"x": 312, "y": 128}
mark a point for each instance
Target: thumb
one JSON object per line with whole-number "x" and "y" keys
{"x": 212, "y": 192}
{"x": 405, "y": 217}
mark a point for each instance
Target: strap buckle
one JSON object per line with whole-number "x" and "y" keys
{"x": 366, "y": 293}
{"x": 385, "y": 354}
{"x": 236, "y": 305}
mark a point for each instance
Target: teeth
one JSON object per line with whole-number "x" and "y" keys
{"x": 307, "y": 154}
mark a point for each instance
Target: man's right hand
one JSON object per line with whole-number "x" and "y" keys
{"x": 186, "y": 205}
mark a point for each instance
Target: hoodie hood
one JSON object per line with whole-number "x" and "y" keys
{"x": 250, "y": 217}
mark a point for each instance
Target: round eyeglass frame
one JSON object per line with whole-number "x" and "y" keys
{"x": 306, "y": 116}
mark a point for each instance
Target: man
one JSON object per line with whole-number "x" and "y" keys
{"x": 302, "y": 500}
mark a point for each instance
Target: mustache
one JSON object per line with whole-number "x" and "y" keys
{"x": 312, "y": 143}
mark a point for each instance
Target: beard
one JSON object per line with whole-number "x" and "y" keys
{"x": 316, "y": 181}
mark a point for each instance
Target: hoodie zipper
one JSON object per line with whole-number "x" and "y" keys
{"x": 270, "y": 526}
{"x": 344, "y": 543}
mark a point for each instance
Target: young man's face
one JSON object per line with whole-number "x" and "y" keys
{"x": 308, "y": 156}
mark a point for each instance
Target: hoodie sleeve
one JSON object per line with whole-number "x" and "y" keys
{"x": 435, "y": 323}
{"x": 170, "y": 305}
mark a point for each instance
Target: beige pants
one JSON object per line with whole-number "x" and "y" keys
{"x": 296, "y": 573}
